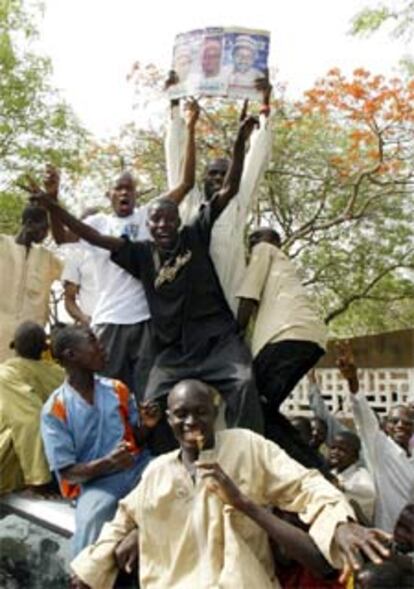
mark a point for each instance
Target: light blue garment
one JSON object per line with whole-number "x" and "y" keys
{"x": 75, "y": 432}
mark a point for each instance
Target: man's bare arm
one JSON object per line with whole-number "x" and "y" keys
{"x": 70, "y": 290}
{"x": 85, "y": 232}
{"x": 119, "y": 459}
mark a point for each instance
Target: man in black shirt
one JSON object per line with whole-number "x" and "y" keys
{"x": 196, "y": 335}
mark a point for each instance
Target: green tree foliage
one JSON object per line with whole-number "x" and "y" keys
{"x": 36, "y": 125}
{"x": 398, "y": 16}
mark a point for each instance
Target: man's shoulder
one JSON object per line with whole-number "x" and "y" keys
{"x": 238, "y": 437}
{"x": 56, "y": 403}
{"x": 159, "y": 465}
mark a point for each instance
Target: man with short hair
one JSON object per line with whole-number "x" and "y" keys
{"x": 26, "y": 381}
{"x": 188, "y": 539}
{"x": 91, "y": 432}
{"x": 386, "y": 454}
{"x": 28, "y": 270}
{"x": 288, "y": 336}
{"x": 352, "y": 478}
{"x": 195, "y": 332}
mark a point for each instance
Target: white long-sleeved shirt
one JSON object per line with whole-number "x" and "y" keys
{"x": 389, "y": 465}
{"x": 358, "y": 485}
{"x": 227, "y": 241}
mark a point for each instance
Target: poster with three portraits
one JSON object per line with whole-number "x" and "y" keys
{"x": 219, "y": 61}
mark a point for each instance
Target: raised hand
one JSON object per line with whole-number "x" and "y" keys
{"x": 354, "y": 541}
{"x": 171, "y": 80}
{"x": 264, "y": 86}
{"x": 220, "y": 483}
{"x": 346, "y": 364}
{"x": 51, "y": 181}
{"x": 191, "y": 112}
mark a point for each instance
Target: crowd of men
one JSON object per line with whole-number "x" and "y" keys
{"x": 158, "y": 411}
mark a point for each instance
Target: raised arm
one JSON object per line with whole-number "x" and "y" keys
{"x": 232, "y": 180}
{"x": 85, "y": 232}
{"x": 188, "y": 174}
{"x": 259, "y": 152}
{"x": 321, "y": 410}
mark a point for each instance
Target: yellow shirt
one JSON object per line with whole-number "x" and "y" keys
{"x": 26, "y": 281}
{"x": 188, "y": 539}
{"x": 285, "y": 311}
{"x": 24, "y": 386}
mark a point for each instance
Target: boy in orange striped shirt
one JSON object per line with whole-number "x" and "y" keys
{"x": 92, "y": 435}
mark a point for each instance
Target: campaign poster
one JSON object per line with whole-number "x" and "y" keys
{"x": 219, "y": 61}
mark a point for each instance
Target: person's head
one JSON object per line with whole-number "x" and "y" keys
{"x": 191, "y": 413}
{"x": 214, "y": 176}
{"x": 35, "y": 224}
{"x": 163, "y": 222}
{"x": 265, "y": 234}
{"x": 303, "y": 426}
{"x": 344, "y": 450}
{"x": 211, "y": 57}
{"x": 319, "y": 432}
{"x": 78, "y": 349}
{"x": 123, "y": 195}
{"x": 244, "y": 54}
{"x": 400, "y": 425}
{"x": 29, "y": 340}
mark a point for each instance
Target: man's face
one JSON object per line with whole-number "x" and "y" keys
{"x": 191, "y": 415}
{"x": 400, "y": 426}
{"x": 88, "y": 352}
{"x": 243, "y": 59}
{"x": 318, "y": 433}
{"x": 123, "y": 196}
{"x": 163, "y": 223}
{"x": 214, "y": 178}
{"x": 36, "y": 231}
{"x": 211, "y": 58}
{"x": 341, "y": 454}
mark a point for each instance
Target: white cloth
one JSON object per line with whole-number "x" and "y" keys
{"x": 227, "y": 241}
{"x": 121, "y": 299}
{"x": 390, "y": 467}
{"x": 80, "y": 269}
{"x": 285, "y": 311}
{"x": 358, "y": 486}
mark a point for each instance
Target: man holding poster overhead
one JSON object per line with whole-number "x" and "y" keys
{"x": 227, "y": 244}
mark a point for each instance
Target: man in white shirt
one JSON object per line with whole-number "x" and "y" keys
{"x": 288, "y": 337}
{"x": 387, "y": 454}
{"x": 80, "y": 286}
{"x": 352, "y": 478}
{"x": 227, "y": 247}
{"x": 121, "y": 317}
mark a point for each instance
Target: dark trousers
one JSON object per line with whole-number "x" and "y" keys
{"x": 130, "y": 353}
{"x": 228, "y": 368}
{"x": 278, "y": 368}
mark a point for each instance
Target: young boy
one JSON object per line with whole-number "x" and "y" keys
{"x": 91, "y": 434}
